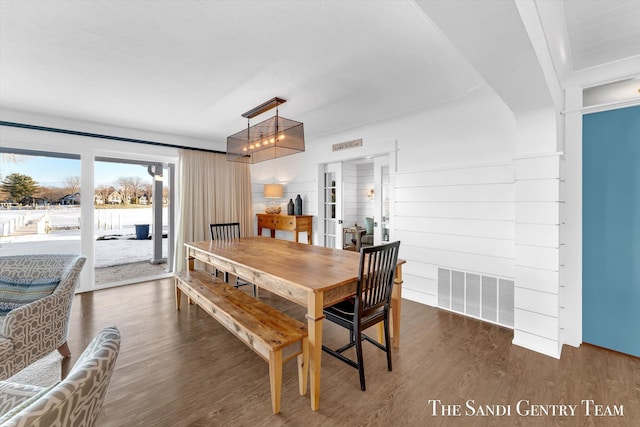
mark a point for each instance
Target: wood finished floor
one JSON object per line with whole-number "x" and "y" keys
{"x": 184, "y": 369}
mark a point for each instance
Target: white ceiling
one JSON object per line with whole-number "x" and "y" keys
{"x": 602, "y": 31}
{"x": 193, "y": 67}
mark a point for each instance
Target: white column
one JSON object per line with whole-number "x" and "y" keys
{"x": 537, "y": 233}
{"x": 571, "y": 222}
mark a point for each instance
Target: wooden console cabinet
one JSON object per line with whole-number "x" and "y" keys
{"x": 295, "y": 223}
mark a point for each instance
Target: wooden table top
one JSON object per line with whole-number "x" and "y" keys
{"x": 314, "y": 268}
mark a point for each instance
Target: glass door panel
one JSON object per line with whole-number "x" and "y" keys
{"x": 332, "y": 206}
{"x": 382, "y": 186}
{"x": 329, "y": 209}
{"x": 39, "y": 202}
{"x": 385, "y": 200}
{"x": 131, "y": 221}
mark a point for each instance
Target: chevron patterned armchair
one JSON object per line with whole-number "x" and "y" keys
{"x": 36, "y": 293}
{"x": 75, "y": 401}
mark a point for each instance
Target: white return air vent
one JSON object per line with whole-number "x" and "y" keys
{"x": 483, "y": 297}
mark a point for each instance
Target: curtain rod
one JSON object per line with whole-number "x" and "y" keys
{"x": 97, "y": 135}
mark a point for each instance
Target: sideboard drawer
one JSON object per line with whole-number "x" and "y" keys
{"x": 286, "y": 224}
{"x": 266, "y": 221}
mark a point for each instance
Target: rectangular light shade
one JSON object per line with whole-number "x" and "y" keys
{"x": 272, "y": 138}
{"x": 273, "y": 191}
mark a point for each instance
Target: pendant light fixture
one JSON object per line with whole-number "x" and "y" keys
{"x": 272, "y": 138}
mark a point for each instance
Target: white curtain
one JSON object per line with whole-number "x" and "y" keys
{"x": 211, "y": 190}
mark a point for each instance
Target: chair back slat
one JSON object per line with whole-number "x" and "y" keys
{"x": 375, "y": 277}
{"x": 227, "y": 231}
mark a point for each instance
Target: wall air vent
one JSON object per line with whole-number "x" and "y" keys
{"x": 475, "y": 295}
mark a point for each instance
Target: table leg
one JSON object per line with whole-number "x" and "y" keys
{"x": 396, "y": 309}
{"x": 314, "y": 323}
{"x": 191, "y": 265}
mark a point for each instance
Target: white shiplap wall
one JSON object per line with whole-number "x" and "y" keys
{"x": 365, "y": 183}
{"x": 536, "y": 296}
{"x": 349, "y": 193}
{"x": 459, "y": 217}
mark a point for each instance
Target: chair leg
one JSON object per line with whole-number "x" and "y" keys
{"x": 387, "y": 343}
{"x": 64, "y": 350}
{"x": 360, "y": 358}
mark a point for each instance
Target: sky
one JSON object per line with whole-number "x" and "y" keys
{"x": 51, "y": 171}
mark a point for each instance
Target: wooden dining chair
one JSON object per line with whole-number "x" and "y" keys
{"x": 370, "y": 305}
{"x": 228, "y": 231}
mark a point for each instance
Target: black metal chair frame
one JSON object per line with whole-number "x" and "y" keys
{"x": 228, "y": 231}
{"x": 370, "y": 306}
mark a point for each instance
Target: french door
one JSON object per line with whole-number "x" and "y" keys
{"x": 332, "y": 205}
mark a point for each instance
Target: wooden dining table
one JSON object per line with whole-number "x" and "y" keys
{"x": 312, "y": 276}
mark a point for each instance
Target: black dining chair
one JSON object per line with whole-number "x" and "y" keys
{"x": 370, "y": 305}
{"x": 228, "y": 231}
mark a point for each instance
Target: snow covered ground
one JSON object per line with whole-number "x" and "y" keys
{"x": 65, "y": 235}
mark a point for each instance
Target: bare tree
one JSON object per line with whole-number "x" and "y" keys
{"x": 72, "y": 184}
{"x": 138, "y": 187}
{"x": 103, "y": 191}
{"x": 52, "y": 194}
{"x": 147, "y": 188}
{"x": 165, "y": 194}
{"x": 126, "y": 187}
{"x": 11, "y": 158}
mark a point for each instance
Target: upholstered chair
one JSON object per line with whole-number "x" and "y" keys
{"x": 76, "y": 400}
{"x": 36, "y": 293}
{"x": 367, "y": 238}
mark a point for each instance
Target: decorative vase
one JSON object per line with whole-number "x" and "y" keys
{"x": 290, "y": 207}
{"x": 298, "y": 206}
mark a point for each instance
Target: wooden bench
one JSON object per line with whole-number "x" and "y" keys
{"x": 264, "y": 329}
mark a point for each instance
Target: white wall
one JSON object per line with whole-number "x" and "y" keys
{"x": 350, "y": 196}
{"x": 364, "y": 206}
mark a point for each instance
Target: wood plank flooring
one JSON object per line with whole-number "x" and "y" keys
{"x": 184, "y": 369}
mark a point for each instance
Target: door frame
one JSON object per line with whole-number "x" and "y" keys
{"x": 344, "y": 158}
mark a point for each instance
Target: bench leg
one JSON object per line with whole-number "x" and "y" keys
{"x": 303, "y": 367}
{"x": 275, "y": 378}
{"x": 178, "y": 295}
